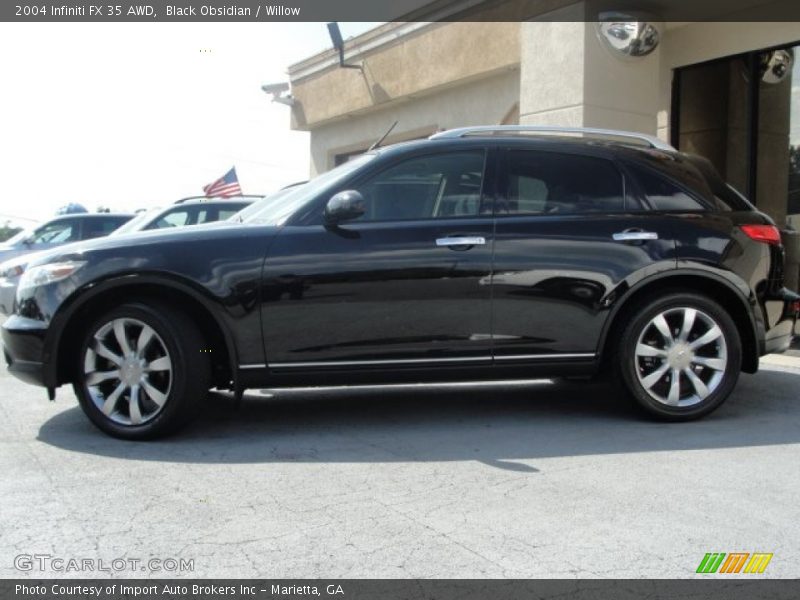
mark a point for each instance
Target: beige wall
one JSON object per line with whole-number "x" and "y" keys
{"x": 489, "y": 100}
{"x": 426, "y": 61}
{"x": 568, "y": 78}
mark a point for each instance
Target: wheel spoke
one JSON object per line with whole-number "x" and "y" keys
{"x": 699, "y": 387}
{"x": 654, "y": 377}
{"x": 647, "y": 350}
{"x": 718, "y": 364}
{"x": 674, "y": 388}
{"x": 134, "y": 410}
{"x": 160, "y": 364}
{"x": 123, "y": 353}
{"x": 122, "y": 338}
{"x": 677, "y": 376}
{"x": 689, "y": 315}
{"x": 709, "y": 336}
{"x": 102, "y": 350}
{"x": 111, "y": 402}
{"x": 663, "y": 328}
{"x": 152, "y": 393}
{"x": 144, "y": 338}
{"x": 100, "y": 376}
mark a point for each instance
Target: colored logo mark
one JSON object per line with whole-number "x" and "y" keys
{"x": 735, "y": 562}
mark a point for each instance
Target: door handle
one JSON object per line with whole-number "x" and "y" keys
{"x": 635, "y": 236}
{"x": 461, "y": 241}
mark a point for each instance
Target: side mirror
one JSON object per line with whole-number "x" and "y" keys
{"x": 28, "y": 241}
{"x": 344, "y": 206}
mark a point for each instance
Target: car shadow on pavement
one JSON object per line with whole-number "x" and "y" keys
{"x": 502, "y": 425}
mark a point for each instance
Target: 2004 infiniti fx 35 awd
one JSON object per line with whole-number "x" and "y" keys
{"x": 477, "y": 254}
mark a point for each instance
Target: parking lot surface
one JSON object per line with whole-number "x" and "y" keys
{"x": 548, "y": 479}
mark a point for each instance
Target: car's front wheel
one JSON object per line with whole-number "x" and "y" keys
{"x": 680, "y": 356}
{"x": 141, "y": 370}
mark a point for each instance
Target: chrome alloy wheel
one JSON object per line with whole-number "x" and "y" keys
{"x": 128, "y": 371}
{"x": 681, "y": 356}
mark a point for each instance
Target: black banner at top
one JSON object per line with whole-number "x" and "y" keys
{"x": 102, "y": 11}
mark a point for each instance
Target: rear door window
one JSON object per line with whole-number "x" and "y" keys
{"x": 547, "y": 183}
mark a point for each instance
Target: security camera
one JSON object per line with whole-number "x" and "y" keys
{"x": 275, "y": 88}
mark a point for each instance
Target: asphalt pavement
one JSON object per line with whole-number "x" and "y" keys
{"x": 544, "y": 479}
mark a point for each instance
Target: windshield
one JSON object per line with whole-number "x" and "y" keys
{"x": 137, "y": 222}
{"x": 275, "y": 209}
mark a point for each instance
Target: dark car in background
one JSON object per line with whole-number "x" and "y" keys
{"x": 62, "y": 230}
{"x": 482, "y": 253}
{"x": 185, "y": 212}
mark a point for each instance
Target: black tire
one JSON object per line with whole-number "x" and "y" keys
{"x": 637, "y": 370}
{"x": 173, "y": 393}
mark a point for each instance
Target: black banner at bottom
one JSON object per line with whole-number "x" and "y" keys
{"x": 734, "y": 588}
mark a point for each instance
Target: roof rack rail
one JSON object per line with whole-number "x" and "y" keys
{"x": 209, "y": 198}
{"x": 650, "y": 140}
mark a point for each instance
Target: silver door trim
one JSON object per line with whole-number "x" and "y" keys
{"x": 413, "y": 361}
{"x": 634, "y": 236}
{"x": 544, "y": 356}
{"x": 357, "y": 363}
{"x": 472, "y": 240}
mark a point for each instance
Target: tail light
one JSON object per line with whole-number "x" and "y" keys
{"x": 767, "y": 234}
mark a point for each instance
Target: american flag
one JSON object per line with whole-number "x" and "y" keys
{"x": 225, "y": 186}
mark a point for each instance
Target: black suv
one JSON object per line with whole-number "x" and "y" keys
{"x": 477, "y": 254}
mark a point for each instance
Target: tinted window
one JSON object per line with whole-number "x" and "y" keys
{"x": 99, "y": 227}
{"x": 665, "y": 195}
{"x": 727, "y": 198}
{"x": 549, "y": 183}
{"x": 430, "y": 187}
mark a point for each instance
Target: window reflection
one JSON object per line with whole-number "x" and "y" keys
{"x": 743, "y": 114}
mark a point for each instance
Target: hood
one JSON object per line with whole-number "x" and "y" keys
{"x": 7, "y": 252}
{"x": 217, "y": 230}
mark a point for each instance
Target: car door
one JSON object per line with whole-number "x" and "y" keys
{"x": 570, "y": 237}
{"x": 408, "y": 283}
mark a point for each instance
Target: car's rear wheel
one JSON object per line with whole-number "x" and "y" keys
{"x": 141, "y": 371}
{"x": 680, "y": 356}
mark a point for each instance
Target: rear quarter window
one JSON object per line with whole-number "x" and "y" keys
{"x": 663, "y": 194}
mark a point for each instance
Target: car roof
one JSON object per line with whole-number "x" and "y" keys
{"x": 568, "y": 143}
{"x": 218, "y": 199}
{"x": 86, "y": 216}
